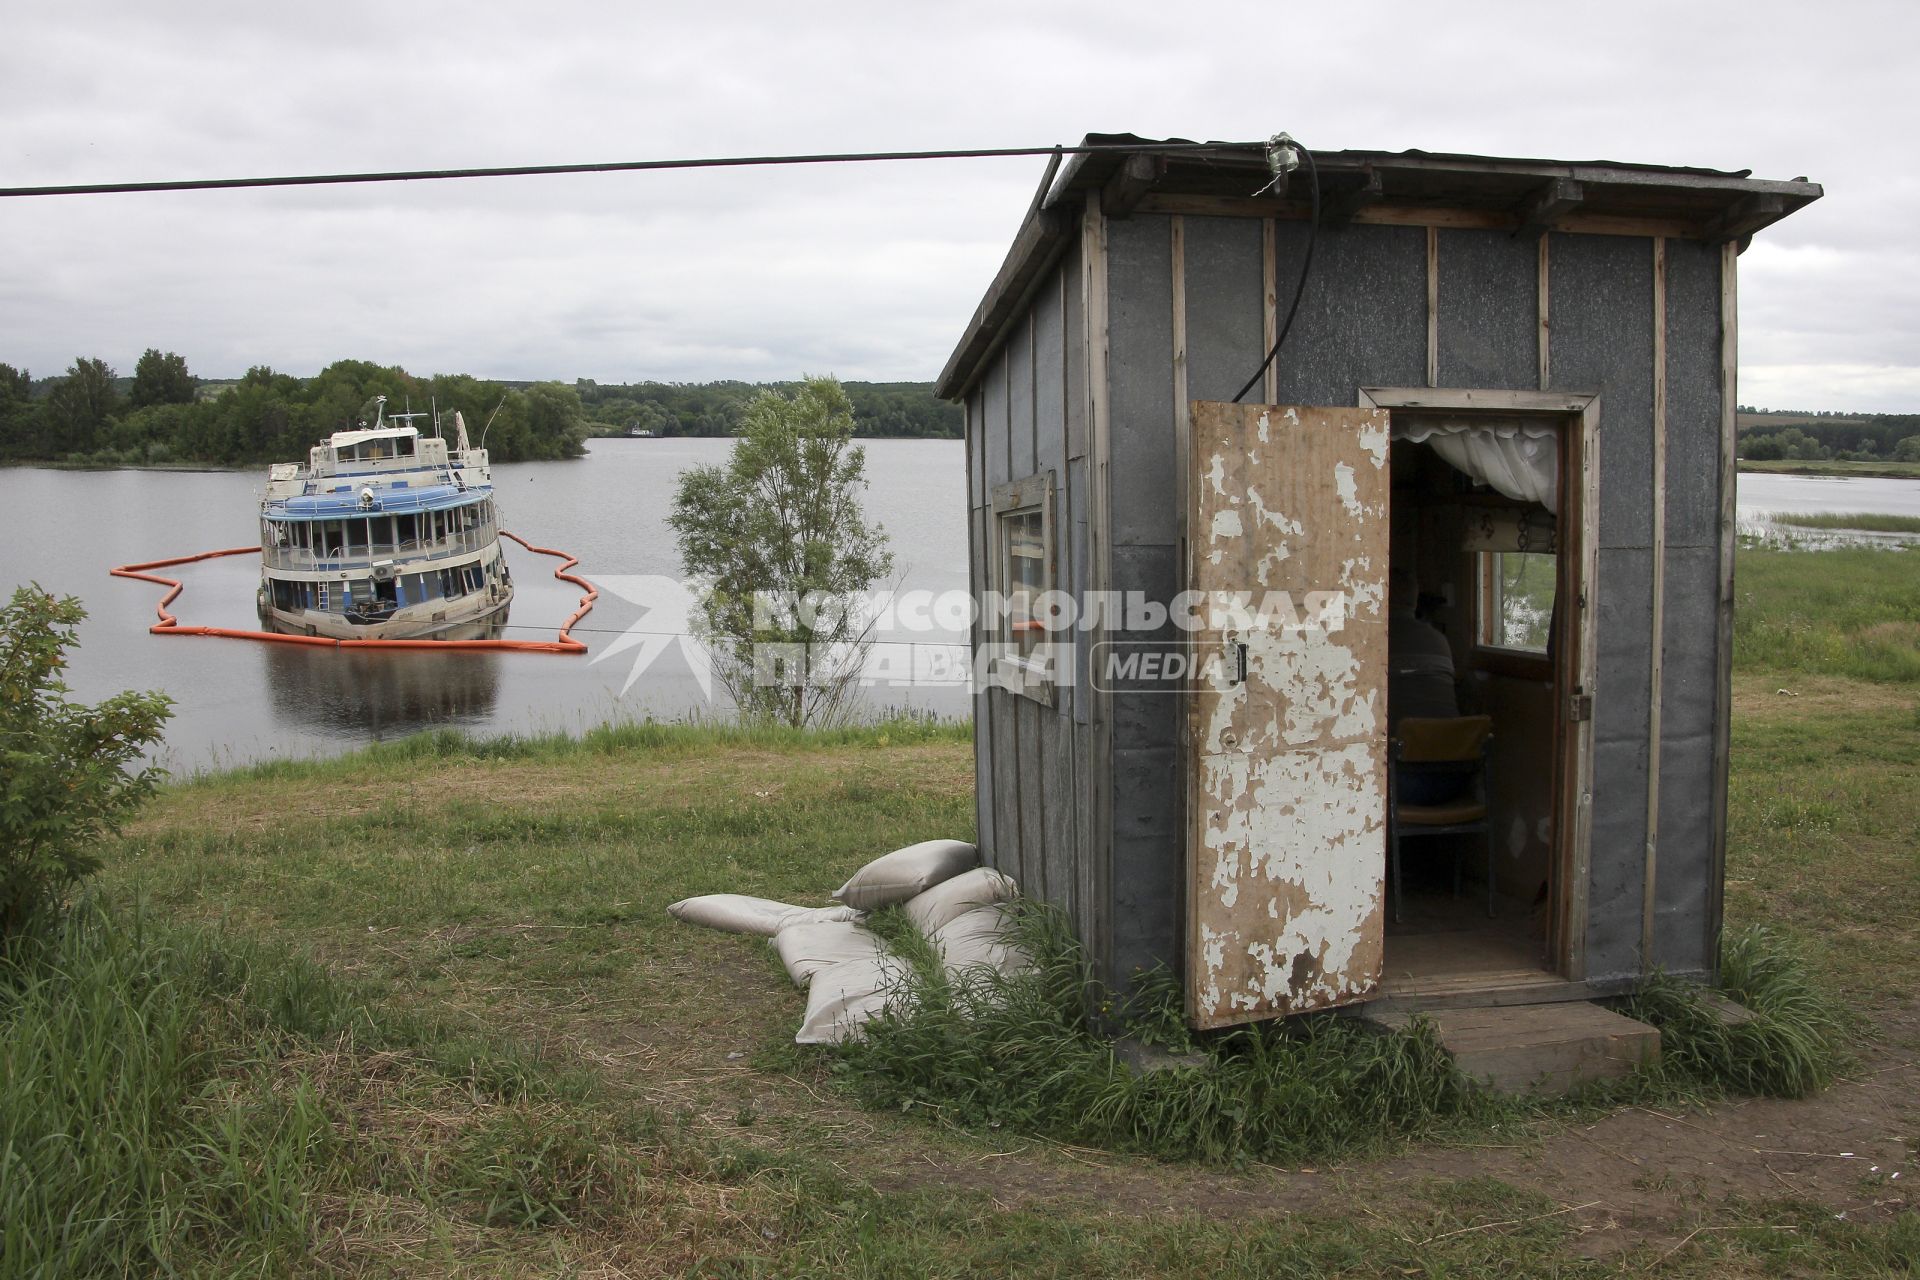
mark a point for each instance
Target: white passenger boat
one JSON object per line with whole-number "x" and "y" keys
{"x": 385, "y": 534}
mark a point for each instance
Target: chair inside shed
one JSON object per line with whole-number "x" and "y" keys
{"x": 1472, "y": 633}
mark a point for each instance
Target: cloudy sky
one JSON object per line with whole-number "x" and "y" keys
{"x": 862, "y": 271}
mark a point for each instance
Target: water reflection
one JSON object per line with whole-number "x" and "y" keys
{"x": 360, "y": 695}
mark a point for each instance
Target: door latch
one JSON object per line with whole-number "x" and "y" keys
{"x": 1579, "y": 706}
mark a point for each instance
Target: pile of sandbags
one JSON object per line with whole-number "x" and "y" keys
{"x": 849, "y": 972}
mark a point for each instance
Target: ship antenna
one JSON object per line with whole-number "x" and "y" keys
{"x": 490, "y": 418}
{"x": 435, "y": 402}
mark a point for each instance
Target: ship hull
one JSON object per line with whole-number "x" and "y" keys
{"x": 482, "y": 619}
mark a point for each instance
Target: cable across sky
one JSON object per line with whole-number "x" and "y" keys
{"x": 615, "y": 166}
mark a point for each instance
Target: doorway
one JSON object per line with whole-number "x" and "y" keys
{"x": 1488, "y": 583}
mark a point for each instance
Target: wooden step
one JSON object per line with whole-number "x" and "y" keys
{"x": 1537, "y": 1048}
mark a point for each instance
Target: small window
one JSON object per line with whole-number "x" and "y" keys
{"x": 1024, "y": 576}
{"x": 1516, "y": 600}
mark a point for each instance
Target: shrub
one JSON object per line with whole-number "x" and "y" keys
{"x": 65, "y": 780}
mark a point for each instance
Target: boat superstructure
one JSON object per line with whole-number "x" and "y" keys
{"x": 385, "y": 534}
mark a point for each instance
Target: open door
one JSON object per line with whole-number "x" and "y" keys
{"x": 1286, "y": 729}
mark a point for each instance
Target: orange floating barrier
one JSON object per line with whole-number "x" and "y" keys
{"x": 170, "y": 625}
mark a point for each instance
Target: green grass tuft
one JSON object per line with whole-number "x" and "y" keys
{"x": 1025, "y": 1053}
{"x": 1793, "y": 1046}
{"x": 173, "y": 1101}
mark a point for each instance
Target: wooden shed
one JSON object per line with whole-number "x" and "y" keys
{"x": 1503, "y": 415}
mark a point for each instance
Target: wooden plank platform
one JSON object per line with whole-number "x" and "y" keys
{"x": 1537, "y": 1048}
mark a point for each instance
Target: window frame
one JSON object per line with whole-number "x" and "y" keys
{"x": 1030, "y": 677}
{"x": 1489, "y": 655}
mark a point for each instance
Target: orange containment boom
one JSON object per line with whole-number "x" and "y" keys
{"x": 170, "y": 625}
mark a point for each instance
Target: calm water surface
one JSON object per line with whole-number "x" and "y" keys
{"x": 239, "y": 702}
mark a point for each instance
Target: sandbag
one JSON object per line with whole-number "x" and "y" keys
{"x": 738, "y": 913}
{"x": 978, "y": 938}
{"x": 845, "y": 996}
{"x": 807, "y": 948}
{"x": 897, "y": 876}
{"x": 949, "y": 899}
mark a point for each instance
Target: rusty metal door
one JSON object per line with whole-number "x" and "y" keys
{"x": 1286, "y": 716}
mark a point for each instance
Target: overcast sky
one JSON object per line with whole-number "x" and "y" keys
{"x": 862, "y": 271}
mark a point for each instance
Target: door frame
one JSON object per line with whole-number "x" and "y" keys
{"x": 1578, "y": 413}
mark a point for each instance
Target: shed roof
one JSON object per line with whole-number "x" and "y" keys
{"x": 1370, "y": 186}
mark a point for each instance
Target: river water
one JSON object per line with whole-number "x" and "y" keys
{"x": 238, "y": 702}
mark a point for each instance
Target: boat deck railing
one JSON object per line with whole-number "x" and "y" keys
{"x": 302, "y": 559}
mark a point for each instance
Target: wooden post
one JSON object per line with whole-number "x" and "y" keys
{"x": 1657, "y": 661}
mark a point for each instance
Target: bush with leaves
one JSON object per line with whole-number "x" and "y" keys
{"x": 67, "y": 775}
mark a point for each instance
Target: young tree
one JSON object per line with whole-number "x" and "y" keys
{"x": 64, "y": 766}
{"x": 779, "y": 538}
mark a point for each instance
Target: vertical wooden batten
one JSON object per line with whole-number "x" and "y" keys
{"x": 1270, "y": 307}
{"x": 1433, "y": 306}
{"x": 1182, "y": 415}
{"x": 1543, "y": 307}
{"x": 1723, "y": 665}
{"x": 1093, "y": 286}
{"x": 1657, "y": 549}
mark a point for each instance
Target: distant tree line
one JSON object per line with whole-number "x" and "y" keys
{"x": 882, "y": 409}
{"x": 164, "y": 415}
{"x": 1865, "y": 438}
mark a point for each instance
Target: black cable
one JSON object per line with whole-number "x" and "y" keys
{"x": 620, "y": 166}
{"x": 1300, "y": 288}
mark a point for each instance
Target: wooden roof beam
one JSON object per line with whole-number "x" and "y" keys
{"x": 1744, "y": 217}
{"x": 1537, "y": 212}
{"x": 1338, "y": 207}
{"x": 1130, "y": 184}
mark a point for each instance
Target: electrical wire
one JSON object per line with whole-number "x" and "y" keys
{"x": 618, "y": 166}
{"x": 1300, "y": 287}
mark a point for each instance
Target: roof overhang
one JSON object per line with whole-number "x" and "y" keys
{"x": 1523, "y": 197}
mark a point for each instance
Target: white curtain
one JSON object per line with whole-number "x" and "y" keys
{"x": 1521, "y": 460}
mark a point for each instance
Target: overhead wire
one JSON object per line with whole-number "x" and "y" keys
{"x": 617, "y": 166}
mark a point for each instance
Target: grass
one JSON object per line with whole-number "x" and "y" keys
{"x": 1026, "y": 1053}
{"x": 1863, "y": 521}
{"x": 420, "y": 1011}
{"x": 177, "y": 1101}
{"x": 1850, "y": 611}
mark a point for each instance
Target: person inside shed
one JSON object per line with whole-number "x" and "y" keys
{"x": 1419, "y": 657}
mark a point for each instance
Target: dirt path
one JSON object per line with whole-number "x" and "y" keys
{"x": 1639, "y": 1177}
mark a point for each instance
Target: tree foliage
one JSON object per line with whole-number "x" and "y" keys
{"x": 161, "y": 378}
{"x": 880, "y": 409}
{"x": 66, "y": 776}
{"x": 264, "y": 416}
{"x": 778, "y": 537}
{"x": 82, "y": 402}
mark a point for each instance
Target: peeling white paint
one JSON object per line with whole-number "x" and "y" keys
{"x": 1343, "y": 485}
{"x": 1290, "y": 770}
